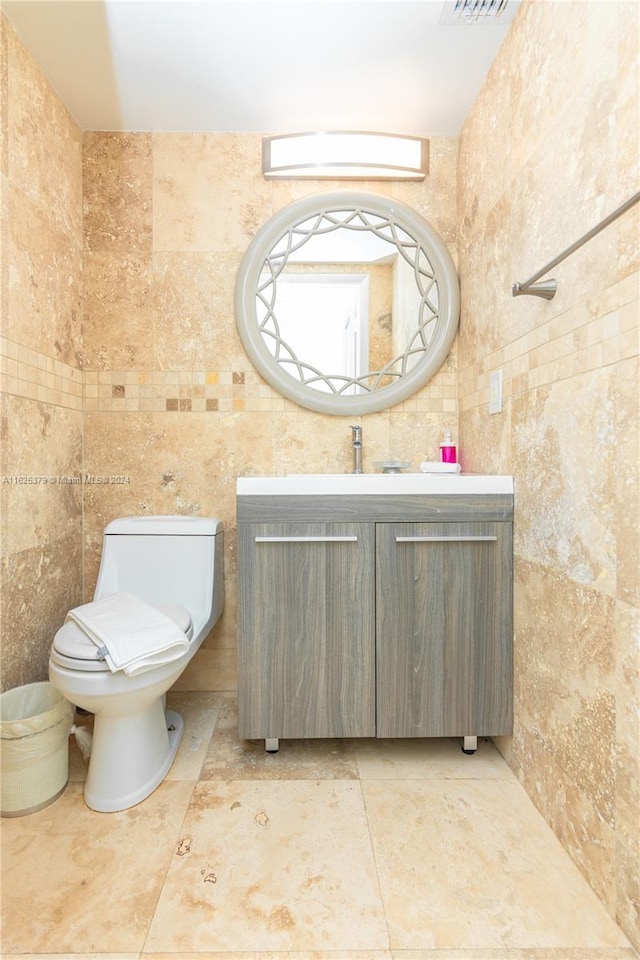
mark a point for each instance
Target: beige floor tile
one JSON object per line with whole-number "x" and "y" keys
{"x": 581, "y": 953}
{"x": 272, "y": 864}
{"x": 471, "y": 864}
{"x": 499, "y": 953}
{"x": 229, "y": 758}
{"x": 280, "y": 865}
{"x": 516, "y": 953}
{"x": 428, "y": 759}
{"x": 84, "y": 882}
{"x": 468, "y": 954}
{"x": 277, "y": 955}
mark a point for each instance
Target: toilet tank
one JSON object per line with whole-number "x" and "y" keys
{"x": 168, "y": 559}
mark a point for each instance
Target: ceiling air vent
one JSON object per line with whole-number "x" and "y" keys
{"x": 457, "y": 12}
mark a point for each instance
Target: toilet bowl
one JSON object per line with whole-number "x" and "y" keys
{"x": 175, "y": 564}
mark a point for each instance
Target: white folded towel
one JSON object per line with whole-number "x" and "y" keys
{"x": 130, "y": 634}
{"x": 435, "y": 466}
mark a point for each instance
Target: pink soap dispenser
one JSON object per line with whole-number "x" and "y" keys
{"x": 448, "y": 449}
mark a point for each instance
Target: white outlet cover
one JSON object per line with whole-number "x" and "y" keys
{"x": 495, "y": 392}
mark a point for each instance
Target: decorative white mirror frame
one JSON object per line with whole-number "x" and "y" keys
{"x": 432, "y": 267}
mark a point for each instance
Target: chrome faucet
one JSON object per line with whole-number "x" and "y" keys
{"x": 356, "y": 443}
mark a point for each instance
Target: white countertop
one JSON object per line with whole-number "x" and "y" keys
{"x": 341, "y": 484}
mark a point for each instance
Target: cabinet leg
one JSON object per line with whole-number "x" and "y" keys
{"x": 272, "y": 745}
{"x": 469, "y": 744}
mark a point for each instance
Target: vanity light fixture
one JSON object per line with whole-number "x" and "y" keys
{"x": 345, "y": 155}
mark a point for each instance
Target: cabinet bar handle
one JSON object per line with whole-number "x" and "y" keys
{"x": 444, "y": 539}
{"x": 306, "y": 539}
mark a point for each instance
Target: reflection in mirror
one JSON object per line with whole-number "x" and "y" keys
{"x": 346, "y": 302}
{"x": 324, "y": 316}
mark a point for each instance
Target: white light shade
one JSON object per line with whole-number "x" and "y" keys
{"x": 345, "y": 156}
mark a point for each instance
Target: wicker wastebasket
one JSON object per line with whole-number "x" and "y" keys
{"x": 35, "y": 723}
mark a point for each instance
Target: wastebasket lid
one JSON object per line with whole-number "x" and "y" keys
{"x": 71, "y": 641}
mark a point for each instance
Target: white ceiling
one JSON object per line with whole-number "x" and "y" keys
{"x": 260, "y": 65}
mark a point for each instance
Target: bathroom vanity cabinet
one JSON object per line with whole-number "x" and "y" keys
{"x": 375, "y": 616}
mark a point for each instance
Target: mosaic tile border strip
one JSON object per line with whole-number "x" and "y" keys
{"x": 36, "y": 376}
{"x": 585, "y": 338}
{"x": 201, "y": 391}
{"x": 172, "y": 391}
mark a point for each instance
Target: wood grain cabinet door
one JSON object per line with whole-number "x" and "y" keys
{"x": 306, "y": 630}
{"x": 444, "y": 629}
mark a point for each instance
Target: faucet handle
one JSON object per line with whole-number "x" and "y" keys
{"x": 356, "y": 434}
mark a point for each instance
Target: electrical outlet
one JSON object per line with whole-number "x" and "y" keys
{"x": 495, "y": 392}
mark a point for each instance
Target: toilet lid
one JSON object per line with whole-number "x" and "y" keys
{"x": 73, "y": 642}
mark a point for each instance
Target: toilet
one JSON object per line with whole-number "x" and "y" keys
{"x": 176, "y": 565}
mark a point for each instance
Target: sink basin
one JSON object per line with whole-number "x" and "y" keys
{"x": 367, "y": 484}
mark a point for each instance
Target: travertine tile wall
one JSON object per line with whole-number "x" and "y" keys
{"x": 561, "y": 110}
{"x": 40, "y": 360}
{"x": 174, "y": 410}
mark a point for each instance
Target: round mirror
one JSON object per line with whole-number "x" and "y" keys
{"x": 347, "y": 303}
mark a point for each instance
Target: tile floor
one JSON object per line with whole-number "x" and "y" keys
{"x": 340, "y": 850}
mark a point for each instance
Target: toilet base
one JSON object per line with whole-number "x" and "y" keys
{"x": 130, "y": 757}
